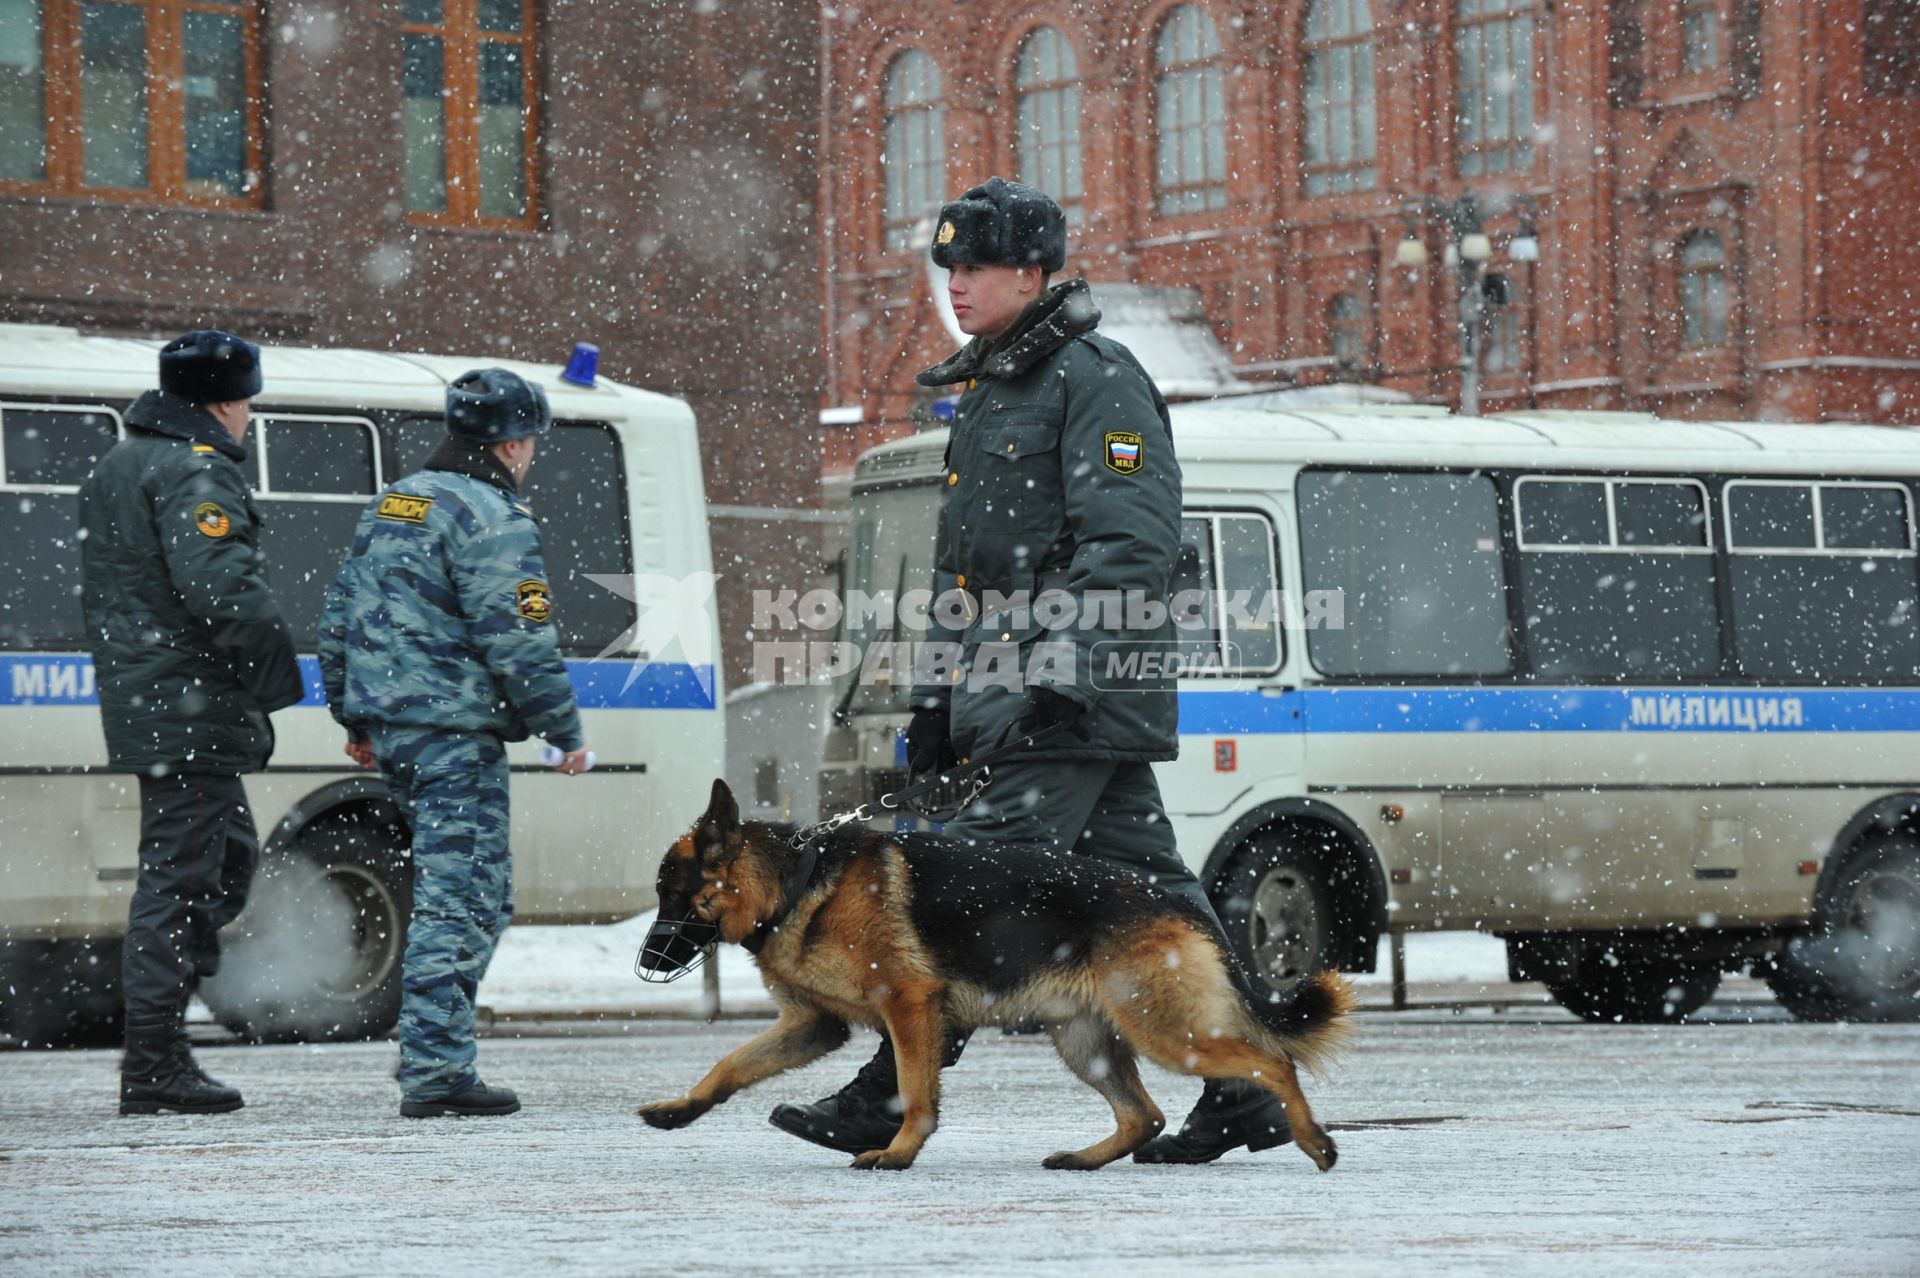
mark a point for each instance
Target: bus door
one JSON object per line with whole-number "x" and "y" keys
{"x": 1240, "y": 726}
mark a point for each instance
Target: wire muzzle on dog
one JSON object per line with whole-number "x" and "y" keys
{"x": 675, "y": 947}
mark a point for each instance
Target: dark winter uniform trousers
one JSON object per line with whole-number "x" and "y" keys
{"x": 197, "y": 854}
{"x": 1102, "y": 808}
{"x": 452, "y": 789}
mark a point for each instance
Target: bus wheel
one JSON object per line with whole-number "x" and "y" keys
{"x": 1862, "y": 960}
{"x": 316, "y": 955}
{"x": 1278, "y": 911}
{"x": 1616, "y": 987}
{"x": 62, "y": 993}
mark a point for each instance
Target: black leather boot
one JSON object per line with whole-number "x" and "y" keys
{"x": 158, "y": 1075}
{"x": 860, "y": 1117}
{"x": 478, "y": 1101}
{"x": 1231, "y": 1113}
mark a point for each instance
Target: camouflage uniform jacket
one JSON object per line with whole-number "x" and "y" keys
{"x": 441, "y": 616}
{"x": 190, "y": 651}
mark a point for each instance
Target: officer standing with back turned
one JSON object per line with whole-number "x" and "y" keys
{"x": 436, "y": 649}
{"x": 1061, "y": 484}
{"x": 190, "y": 654}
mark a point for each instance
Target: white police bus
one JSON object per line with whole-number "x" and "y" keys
{"x": 617, "y": 488}
{"x": 1641, "y": 697}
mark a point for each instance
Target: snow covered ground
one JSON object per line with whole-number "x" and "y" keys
{"x": 1473, "y": 1143}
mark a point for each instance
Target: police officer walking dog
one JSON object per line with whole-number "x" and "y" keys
{"x": 190, "y": 656}
{"x": 1061, "y": 481}
{"x": 437, "y": 648}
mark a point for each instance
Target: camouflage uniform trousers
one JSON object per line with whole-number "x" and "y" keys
{"x": 452, "y": 789}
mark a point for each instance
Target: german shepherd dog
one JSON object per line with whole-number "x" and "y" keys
{"x": 916, "y": 933}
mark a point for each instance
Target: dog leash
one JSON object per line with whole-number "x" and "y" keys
{"x": 979, "y": 771}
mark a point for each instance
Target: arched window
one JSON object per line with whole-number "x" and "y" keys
{"x": 1337, "y": 96}
{"x": 1347, "y": 330}
{"x": 915, "y": 159}
{"x": 1190, "y": 101}
{"x": 1049, "y": 121}
{"x": 1494, "y": 85}
{"x": 1703, "y": 291}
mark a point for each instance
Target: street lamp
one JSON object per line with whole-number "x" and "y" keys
{"x": 1468, "y": 249}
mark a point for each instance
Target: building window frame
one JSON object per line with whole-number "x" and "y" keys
{"x": 463, "y": 46}
{"x": 1703, "y": 291}
{"x": 1336, "y": 43}
{"x": 1189, "y": 113}
{"x": 913, "y": 144}
{"x": 1345, "y": 316}
{"x": 1489, "y": 135}
{"x": 163, "y": 101}
{"x": 1047, "y": 143}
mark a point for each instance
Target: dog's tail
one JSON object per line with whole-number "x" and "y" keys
{"x": 1311, "y": 1020}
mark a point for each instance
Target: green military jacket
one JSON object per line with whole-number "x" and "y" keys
{"x": 190, "y": 652}
{"x": 1060, "y": 478}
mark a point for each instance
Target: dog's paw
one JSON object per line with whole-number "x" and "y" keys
{"x": 882, "y": 1160}
{"x": 1328, "y": 1154}
{"x": 1070, "y": 1160}
{"x": 669, "y": 1114}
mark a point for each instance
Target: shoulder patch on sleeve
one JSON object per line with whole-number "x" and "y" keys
{"x": 1124, "y": 451}
{"x": 534, "y": 600}
{"x": 404, "y": 508}
{"x": 211, "y": 519}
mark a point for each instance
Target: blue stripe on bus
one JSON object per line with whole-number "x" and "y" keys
{"x": 35, "y": 680}
{"x": 1441, "y": 709}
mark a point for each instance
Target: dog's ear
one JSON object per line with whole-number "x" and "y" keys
{"x": 723, "y": 814}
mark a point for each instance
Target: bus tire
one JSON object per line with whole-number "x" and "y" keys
{"x": 1861, "y": 961}
{"x": 1618, "y": 986}
{"x": 62, "y": 993}
{"x": 1279, "y": 910}
{"x": 316, "y": 956}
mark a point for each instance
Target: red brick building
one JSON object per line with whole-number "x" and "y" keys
{"x": 1716, "y": 188}
{"x": 458, "y": 176}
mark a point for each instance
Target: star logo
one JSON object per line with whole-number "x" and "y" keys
{"x": 674, "y": 619}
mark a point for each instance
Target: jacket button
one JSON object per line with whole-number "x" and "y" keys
{"x": 960, "y": 580}
{"x": 1009, "y": 447}
{"x": 1005, "y": 637}
{"x": 952, "y": 479}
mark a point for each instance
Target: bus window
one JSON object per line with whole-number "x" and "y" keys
{"x": 48, "y": 451}
{"x": 577, "y": 491}
{"x": 303, "y": 455}
{"x": 49, "y": 445}
{"x": 1229, "y": 558}
{"x": 1617, "y": 581}
{"x": 1416, "y": 557}
{"x": 1823, "y": 581}
{"x": 316, "y": 476}
{"x": 1196, "y": 628}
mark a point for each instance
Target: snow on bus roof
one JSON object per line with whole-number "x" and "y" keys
{"x": 44, "y": 359}
{"x": 1428, "y": 435}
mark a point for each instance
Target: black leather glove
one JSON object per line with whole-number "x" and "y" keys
{"x": 929, "y": 743}
{"x": 1047, "y": 708}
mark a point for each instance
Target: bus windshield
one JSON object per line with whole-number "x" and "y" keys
{"x": 891, "y": 552}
